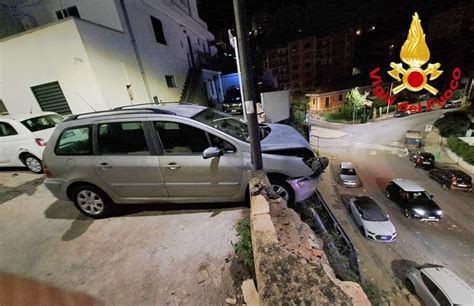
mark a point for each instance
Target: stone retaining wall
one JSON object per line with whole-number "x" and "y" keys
{"x": 290, "y": 265}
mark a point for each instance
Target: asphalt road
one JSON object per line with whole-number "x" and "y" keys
{"x": 376, "y": 150}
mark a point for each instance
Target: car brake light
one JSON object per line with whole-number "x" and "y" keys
{"x": 46, "y": 171}
{"x": 40, "y": 142}
{"x": 453, "y": 178}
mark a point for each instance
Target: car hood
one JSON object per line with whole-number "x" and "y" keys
{"x": 428, "y": 205}
{"x": 380, "y": 228}
{"x": 282, "y": 136}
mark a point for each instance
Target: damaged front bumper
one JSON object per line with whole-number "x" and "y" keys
{"x": 304, "y": 187}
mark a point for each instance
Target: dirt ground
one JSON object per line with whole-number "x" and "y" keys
{"x": 146, "y": 255}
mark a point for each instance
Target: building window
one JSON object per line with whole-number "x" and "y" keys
{"x": 340, "y": 98}
{"x": 314, "y": 101}
{"x": 68, "y": 12}
{"x": 170, "y": 81}
{"x": 327, "y": 102}
{"x": 158, "y": 29}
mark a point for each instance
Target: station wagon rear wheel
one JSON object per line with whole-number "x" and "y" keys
{"x": 91, "y": 201}
{"x": 33, "y": 163}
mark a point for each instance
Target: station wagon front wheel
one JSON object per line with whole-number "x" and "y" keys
{"x": 91, "y": 201}
{"x": 283, "y": 189}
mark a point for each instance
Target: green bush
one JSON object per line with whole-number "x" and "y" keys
{"x": 453, "y": 124}
{"x": 243, "y": 247}
{"x": 462, "y": 149}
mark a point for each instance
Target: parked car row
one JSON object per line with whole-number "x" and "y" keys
{"x": 448, "y": 178}
{"x": 433, "y": 284}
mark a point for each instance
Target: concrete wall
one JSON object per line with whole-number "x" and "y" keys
{"x": 170, "y": 59}
{"x": 114, "y": 64}
{"x": 51, "y": 53}
{"x": 464, "y": 165}
{"x": 229, "y": 80}
{"x": 103, "y": 12}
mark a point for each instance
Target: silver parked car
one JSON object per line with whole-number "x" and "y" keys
{"x": 347, "y": 175}
{"x": 372, "y": 221}
{"x": 437, "y": 285}
{"x": 170, "y": 153}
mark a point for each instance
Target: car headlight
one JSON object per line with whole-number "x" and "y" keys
{"x": 419, "y": 211}
{"x": 439, "y": 212}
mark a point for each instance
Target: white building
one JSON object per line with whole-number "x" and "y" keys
{"x": 84, "y": 55}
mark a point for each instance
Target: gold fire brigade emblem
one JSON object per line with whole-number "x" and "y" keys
{"x": 415, "y": 53}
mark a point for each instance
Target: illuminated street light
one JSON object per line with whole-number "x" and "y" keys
{"x": 358, "y": 32}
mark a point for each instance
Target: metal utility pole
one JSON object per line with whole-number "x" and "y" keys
{"x": 249, "y": 107}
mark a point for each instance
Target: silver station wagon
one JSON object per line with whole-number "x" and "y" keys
{"x": 174, "y": 153}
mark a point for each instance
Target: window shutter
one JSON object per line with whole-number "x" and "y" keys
{"x": 50, "y": 98}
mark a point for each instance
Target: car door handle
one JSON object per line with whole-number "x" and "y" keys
{"x": 173, "y": 166}
{"x": 104, "y": 166}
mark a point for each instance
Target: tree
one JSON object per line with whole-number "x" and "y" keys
{"x": 356, "y": 102}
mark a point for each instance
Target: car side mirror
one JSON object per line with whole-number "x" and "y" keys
{"x": 211, "y": 152}
{"x": 431, "y": 196}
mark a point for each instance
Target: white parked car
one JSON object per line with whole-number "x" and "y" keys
{"x": 23, "y": 138}
{"x": 347, "y": 175}
{"x": 437, "y": 285}
{"x": 372, "y": 221}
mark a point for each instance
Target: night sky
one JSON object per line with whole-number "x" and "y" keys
{"x": 320, "y": 17}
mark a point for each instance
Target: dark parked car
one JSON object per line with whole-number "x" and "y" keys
{"x": 232, "y": 102}
{"x": 452, "y": 179}
{"x": 413, "y": 200}
{"x": 424, "y": 160}
{"x": 452, "y": 104}
{"x": 401, "y": 114}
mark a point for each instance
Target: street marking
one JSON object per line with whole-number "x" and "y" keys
{"x": 373, "y": 152}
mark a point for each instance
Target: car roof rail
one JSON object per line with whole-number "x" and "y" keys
{"x": 145, "y": 110}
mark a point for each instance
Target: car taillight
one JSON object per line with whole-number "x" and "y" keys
{"x": 46, "y": 171}
{"x": 453, "y": 179}
{"x": 40, "y": 142}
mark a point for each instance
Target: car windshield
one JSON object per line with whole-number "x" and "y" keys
{"x": 374, "y": 215}
{"x": 230, "y": 125}
{"x": 418, "y": 196}
{"x": 42, "y": 122}
{"x": 348, "y": 171}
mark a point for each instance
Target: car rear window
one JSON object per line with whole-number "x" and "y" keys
{"x": 42, "y": 122}
{"x": 74, "y": 141}
{"x": 7, "y": 130}
{"x": 348, "y": 171}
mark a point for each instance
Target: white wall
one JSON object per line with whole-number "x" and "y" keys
{"x": 103, "y": 12}
{"x": 276, "y": 105}
{"x": 114, "y": 64}
{"x": 52, "y": 53}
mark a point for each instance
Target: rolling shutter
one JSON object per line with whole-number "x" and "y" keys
{"x": 50, "y": 97}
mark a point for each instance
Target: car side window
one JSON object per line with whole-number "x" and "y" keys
{"x": 74, "y": 141}
{"x": 122, "y": 138}
{"x": 435, "y": 291}
{"x": 7, "y": 130}
{"x": 220, "y": 143}
{"x": 181, "y": 139}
